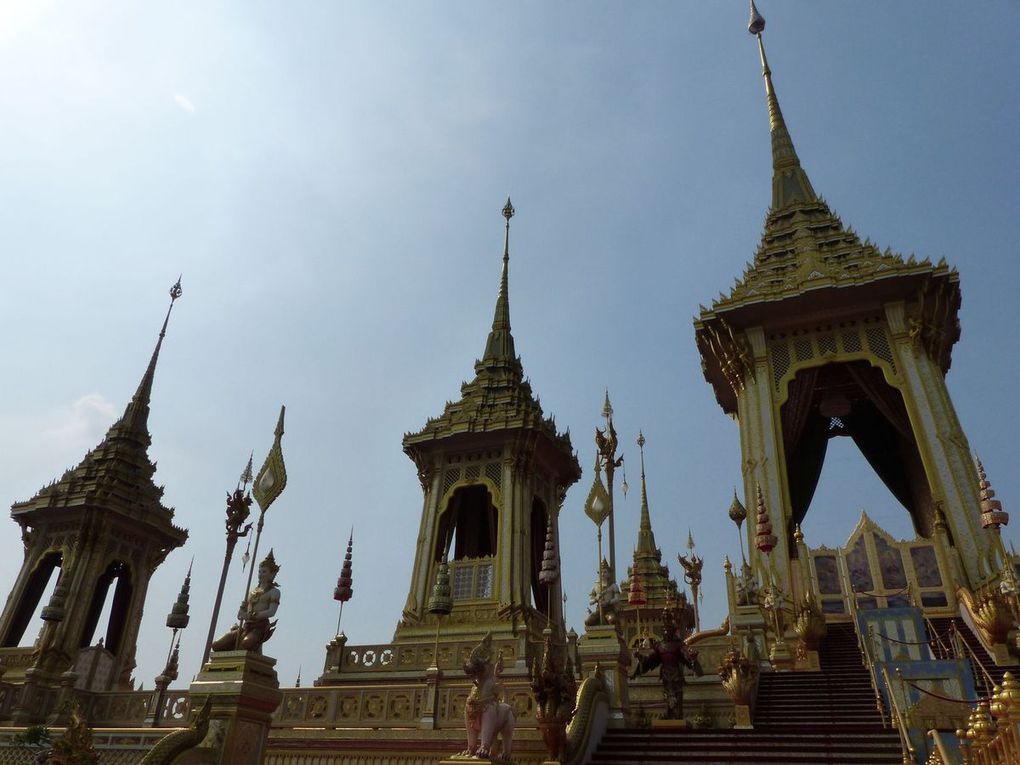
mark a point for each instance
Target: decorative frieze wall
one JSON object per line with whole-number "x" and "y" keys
{"x": 850, "y": 340}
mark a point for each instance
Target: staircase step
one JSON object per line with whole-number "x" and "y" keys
{"x": 801, "y": 718}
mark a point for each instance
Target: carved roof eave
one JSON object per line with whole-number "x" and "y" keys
{"x": 551, "y": 447}
{"x": 494, "y": 406}
{"x": 108, "y": 480}
{"x": 155, "y": 524}
{"x": 934, "y": 287}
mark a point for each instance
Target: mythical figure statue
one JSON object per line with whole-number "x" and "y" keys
{"x": 671, "y": 655}
{"x": 555, "y": 692}
{"x": 692, "y": 569}
{"x": 485, "y": 715}
{"x": 606, "y": 593}
{"x": 238, "y": 510}
{"x": 747, "y": 586}
{"x": 254, "y": 627}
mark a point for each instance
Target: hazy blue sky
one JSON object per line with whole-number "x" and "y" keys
{"x": 328, "y": 177}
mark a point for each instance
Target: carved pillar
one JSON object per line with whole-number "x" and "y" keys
{"x": 428, "y": 528}
{"x": 943, "y": 447}
{"x": 430, "y": 708}
{"x": 763, "y": 462}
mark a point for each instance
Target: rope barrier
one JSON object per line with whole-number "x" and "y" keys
{"x": 968, "y": 702}
{"x": 882, "y": 594}
{"x": 901, "y": 642}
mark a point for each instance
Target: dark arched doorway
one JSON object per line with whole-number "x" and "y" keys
{"x": 852, "y": 400}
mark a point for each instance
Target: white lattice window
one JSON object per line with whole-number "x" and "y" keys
{"x": 472, "y": 578}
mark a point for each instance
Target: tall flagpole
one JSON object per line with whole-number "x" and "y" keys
{"x": 269, "y": 484}
{"x": 238, "y": 510}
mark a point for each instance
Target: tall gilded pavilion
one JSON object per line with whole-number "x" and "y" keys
{"x": 494, "y": 472}
{"x": 101, "y": 526}
{"x": 649, "y": 572}
{"x": 826, "y": 336}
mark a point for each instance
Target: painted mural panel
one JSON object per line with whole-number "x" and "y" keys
{"x": 890, "y": 564}
{"x": 828, "y": 575}
{"x": 926, "y": 565}
{"x": 860, "y": 571}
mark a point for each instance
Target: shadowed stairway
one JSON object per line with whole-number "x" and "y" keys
{"x": 943, "y": 628}
{"x": 804, "y": 717}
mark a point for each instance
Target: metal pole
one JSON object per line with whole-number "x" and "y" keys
{"x": 610, "y": 469}
{"x": 231, "y": 543}
{"x": 601, "y": 617}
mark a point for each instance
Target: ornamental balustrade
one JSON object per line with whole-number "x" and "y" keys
{"x": 396, "y": 705}
{"x": 393, "y": 657}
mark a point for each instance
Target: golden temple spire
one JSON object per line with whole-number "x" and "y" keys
{"x": 134, "y": 422}
{"x": 646, "y": 539}
{"x": 500, "y": 343}
{"x": 789, "y": 181}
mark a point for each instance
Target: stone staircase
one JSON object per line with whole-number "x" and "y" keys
{"x": 943, "y": 628}
{"x": 802, "y": 718}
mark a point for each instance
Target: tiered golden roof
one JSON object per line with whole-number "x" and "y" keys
{"x": 499, "y": 398}
{"x": 813, "y": 263}
{"x": 117, "y": 474}
{"x": 647, "y": 562}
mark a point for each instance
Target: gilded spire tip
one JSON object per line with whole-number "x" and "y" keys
{"x": 789, "y": 181}
{"x": 136, "y": 414}
{"x": 499, "y": 346}
{"x": 757, "y": 23}
{"x": 246, "y": 474}
{"x": 279, "y": 423}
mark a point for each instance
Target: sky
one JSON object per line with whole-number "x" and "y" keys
{"x": 328, "y": 178}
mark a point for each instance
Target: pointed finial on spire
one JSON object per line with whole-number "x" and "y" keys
{"x": 135, "y": 421}
{"x": 646, "y": 539}
{"x": 757, "y": 23}
{"x": 992, "y": 514}
{"x": 178, "y": 617}
{"x": 246, "y": 474}
{"x": 344, "y": 585}
{"x": 737, "y": 511}
{"x": 549, "y": 572}
{"x": 789, "y": 181}
{"x": 500, "y": 343}
{"x": 607, "y": 407}
{"x": 765, "y": 540}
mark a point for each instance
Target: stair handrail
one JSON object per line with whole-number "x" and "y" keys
{"x": 909, "y": 753}
{"x": 936, "y": 638}
{"x": 862, "y": 645}
{"x": 990, "y": 684}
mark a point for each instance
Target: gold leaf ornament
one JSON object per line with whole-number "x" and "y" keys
{"x": 596, "y": 506}
{"x": 272, "y": 477}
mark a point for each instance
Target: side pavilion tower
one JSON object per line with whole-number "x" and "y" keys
{"x": 827, "y": 336}
{"x": 101, "y": 526}
{"x": 494, "y": 472}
